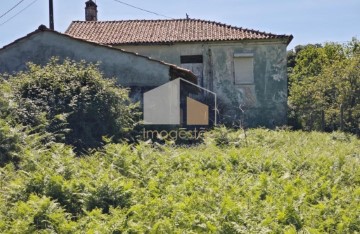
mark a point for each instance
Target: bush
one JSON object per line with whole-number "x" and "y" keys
{"x": 10, "y": 143}
{"x": 9, "y": 137}
{"x": 36, "y": 215}
{"x": 73, "y": 102}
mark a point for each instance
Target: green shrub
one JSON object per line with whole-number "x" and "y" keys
{"x": 10, "y": 143}
{"x": 38, "y": 214}
{"x": 73, "y": 102}
{"x": 104, "y": 196}
{"x": 223, "y": 136}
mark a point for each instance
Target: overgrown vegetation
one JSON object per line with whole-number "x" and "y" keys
{"x": 254, "y": 181}
{"x": 71, "y": 101}
{"x": 271, "y": 181}
{"x": 325, "y": 86}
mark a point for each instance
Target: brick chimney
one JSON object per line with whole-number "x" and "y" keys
{"x": 90, "y": 11}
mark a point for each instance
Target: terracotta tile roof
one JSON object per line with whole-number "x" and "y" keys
{"x": 163, "y": 31}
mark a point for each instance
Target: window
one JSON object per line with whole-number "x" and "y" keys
{"x": 194, "y": 63}
{"x": 244, "y": 68}
{"x": 191, "y": 59}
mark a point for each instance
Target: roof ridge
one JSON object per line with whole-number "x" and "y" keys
{"x": 179, "y": 19}
{"x": 140, "y": 31}
{"x": 235, "y": 27}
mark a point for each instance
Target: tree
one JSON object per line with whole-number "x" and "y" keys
{"x": 325, "y": 87}
{"x": 293, "y": 54}
{"x": 73, "y": 102}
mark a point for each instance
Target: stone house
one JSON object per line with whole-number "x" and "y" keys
{"x": 131, "y": 70}
{"x": 244, "y": 67}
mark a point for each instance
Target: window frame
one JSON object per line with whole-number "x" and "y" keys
{"x": 194, "y": 59}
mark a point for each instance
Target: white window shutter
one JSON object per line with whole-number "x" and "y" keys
{"x": 244, "y": 69}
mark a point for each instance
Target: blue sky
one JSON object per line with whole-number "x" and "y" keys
{"x": 310, "y": 21}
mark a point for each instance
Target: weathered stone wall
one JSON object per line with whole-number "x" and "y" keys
{"x": 268, "y": 95}
{"x": 268, "y": 106}
{"x": 128, "y": 68}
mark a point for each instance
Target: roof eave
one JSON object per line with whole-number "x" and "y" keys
{"x": 42, "y": 28}
{"x": 290, "y": 38}
{"x": 286, "y": 39}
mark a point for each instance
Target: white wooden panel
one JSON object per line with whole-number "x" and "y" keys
{"x": 244, "y": 70}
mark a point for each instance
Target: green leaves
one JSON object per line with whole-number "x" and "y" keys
{"x": 255, "y": 181}
{"x": 279, "y": 181}
{"x": 324, "y": 82}
{"x": 73, "y": 102}
{"x": 9, "y": 143}
{"x": 38, "y": 214}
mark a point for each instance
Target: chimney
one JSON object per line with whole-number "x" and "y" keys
{"x": 90, "y": 11}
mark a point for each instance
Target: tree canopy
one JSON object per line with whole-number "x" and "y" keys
{"x": 325, "y": 86}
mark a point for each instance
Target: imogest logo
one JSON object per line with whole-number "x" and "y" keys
{"x": 180, "y": 102}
